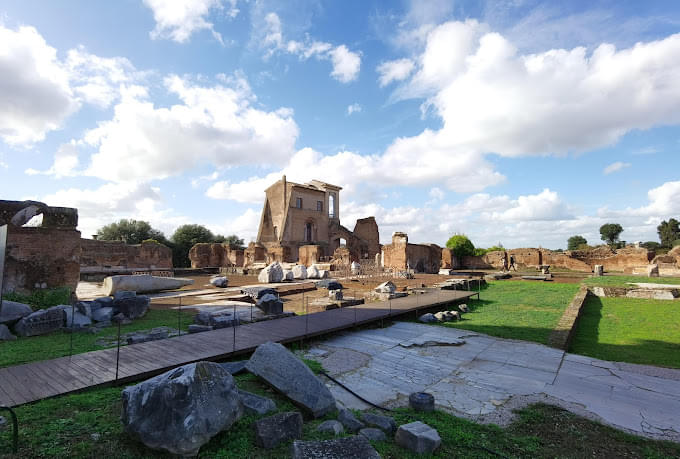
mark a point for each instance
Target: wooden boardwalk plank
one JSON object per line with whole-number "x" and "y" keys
{"x": 34, "y": 381}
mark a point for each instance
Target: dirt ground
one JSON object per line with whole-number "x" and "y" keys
{"x": 301, "y": 303}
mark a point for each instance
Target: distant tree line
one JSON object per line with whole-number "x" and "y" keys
{"x": 181, "y": 241}
{"x": 668, "y": 231}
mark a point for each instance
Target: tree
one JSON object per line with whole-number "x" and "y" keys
{"x": 669, "y": 231}
{"x": 184, "y": 238}
{"x": 574, "y": 242}
{"x": 609, "y": 232}
{"x": 130, "y": 232}
{"x": 651, "y": 245}
{"x": 233, "y": 241}
{"x": 460, "y": 245}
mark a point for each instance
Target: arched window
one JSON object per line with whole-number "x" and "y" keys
{"x": 331, "y": 205}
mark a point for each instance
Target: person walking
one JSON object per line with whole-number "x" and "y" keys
{"x": 513, "y": 266}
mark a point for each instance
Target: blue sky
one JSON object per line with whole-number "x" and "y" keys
{"x": 520, "y": 122}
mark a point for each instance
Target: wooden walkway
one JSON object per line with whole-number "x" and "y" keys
{"x": 29, "y": 382}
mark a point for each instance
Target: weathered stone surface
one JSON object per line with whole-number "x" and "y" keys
{"x": 40, "y": 322}
{"x": 331, "y": 426}
{"x": 254, "y": 404}
{"x": 418, "y": 437}
{"x": 351, "y": 423}
{"x": 270, "y": 304}
{"x": 154, "y": 334}
{"x": 373, "y": 434}
{"x": 105, "y": 301}
{"x": 220, "y": 281}
{"x": 289, "y": 375}
{"x": 385, "y": 423}
{"x": 354, "y": 447}
{"x": 181, "y": 410}
{"x": 77, "y": 320}
{"x": 299, "y": 272}
{"x": 288, "y": 275}
{"x": 421, "y": 401}
{"x": 121, "y": 294}
{"x": 12, "y": 311}
{"x": 653, "y": 271}
{"x": 235, "y": 368}
{"x": 196, "y": 328}
{"x": 427, "y": 318}
{"x": 312, "y": 272}
{"x": 273, "y": 430}
{"x": 386, "y": 287}
{"x": 132, "y": 307}
{"x": 257, "y": 292}
{"x": 143, "y": 283}
{"x": 85, "y": 308}
{"x": 217, "y": 319}
{"x": 120, "y": 318}
{"x": 5, "y": 334}
{"x": 272, "y": 273}
{"x": 102, "y": 314}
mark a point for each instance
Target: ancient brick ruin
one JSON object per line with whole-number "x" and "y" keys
{"x": 105, "y": 258}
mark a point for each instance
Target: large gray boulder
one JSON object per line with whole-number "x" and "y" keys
{"x": 5, "y": 334}
{"x": 418, "y": 437}
{"x": 300, "y": 272}
{"x": 272, "y": 431}
{"x": 290, "y": 376}
{"x": 312, "y": 272}
{"x": 272, "y": 273}
{"x": 132, "y": 307}
{"x": 354, "y": 447}
{"x": 386, "y": 287}
{"x": 104, "y": 314}
{"x": 220, "y": 281}
{"x": 141, "y": 283}
{"x": 181, "y": 410}
{"x": 12, "y": 311}
{"x": 351, "y": 423}
{"x": 384, "y": 423}
{"x": 76, "y": 320}
{"x": 270, "y": 304}
{"x": 288, "y": 275}
{"x": 40, "y": 322}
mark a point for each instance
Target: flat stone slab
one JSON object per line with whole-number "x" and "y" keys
{"x": 652, "y": 286}
{"x": 487, "y": 377}
{"x": 355, "y": 447}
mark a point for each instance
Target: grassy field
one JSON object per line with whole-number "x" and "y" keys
{"x": 518, "y": 309}
{"x": 57, "y": 344}
{"x": 64, "y": 427}
{"x": 622, "y": 281}
{"x": 629, "y": 330}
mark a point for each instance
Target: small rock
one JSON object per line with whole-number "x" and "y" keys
{"x": 3, "y": 423}
{"x": 257, "y": 292}
{"x": 386, "y": 287}
{"x": 349, "y": 421}
{"x": 463, "y": 308}
{"x": 452, "y": 315}
{"x": 418, "y": 437}
{"x": 427, "y": 318}
{"x": 254, "y": 404}
{"x": 5, "y": 334}
{"x": 273, "y": 430}
{"x": 220, "y": 281}
{"x": 288, "y": 275}
{"x": 95, "y": 436}
{"x": 196, "y": 328}
{"x": 421, "y": 401}
{"x": 120, "y": 318}
{"x": 373, "y": 434}
{"x": 354, "y": 447}
{"x": 132, "y": 307}
{"x": 385, "y": 423}
{"x": 335, "y": 295}
{"x": 441, "y": 316}
{"x": 332, "y": 426}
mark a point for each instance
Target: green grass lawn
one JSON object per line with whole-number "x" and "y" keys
{"x": 629, "y": 330}
{"x": 63, "y": 427}
{"x": 57, "y": 344}
{"x": 622, "y": 281}
{"x": 517, "y": 309}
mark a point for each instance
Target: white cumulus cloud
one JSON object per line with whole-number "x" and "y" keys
{"x": 178, "y": 19}
{"x": 615, "y": 167}
{"x": 353, "y": 108}
{"x": 396, "y": 70}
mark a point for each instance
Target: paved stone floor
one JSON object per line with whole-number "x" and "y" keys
{"x": 484, "y": 378}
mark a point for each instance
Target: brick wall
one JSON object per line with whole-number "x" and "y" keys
{"x": 41, "y": 257}
{"x": 116, "y": 254}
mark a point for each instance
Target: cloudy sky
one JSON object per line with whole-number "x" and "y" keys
{"x": 513, "y": 121}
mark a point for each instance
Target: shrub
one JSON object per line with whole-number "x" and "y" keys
{"x": 460, "y": 245}
{"x": 41, "y": 299}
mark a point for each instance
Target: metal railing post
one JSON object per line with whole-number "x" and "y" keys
{"x": 233, "y": 326}
{"x": 179, "y": 317}
{"x": 73, "y": 313}
{"x": 118, "y": 351}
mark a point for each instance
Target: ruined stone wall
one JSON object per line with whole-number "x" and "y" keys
{"x": 475, "y": 262}
{"x": 102, "y": 256}
{"x": 613, "y": 260}
{"x": 310, "y": 254}
{"x": 215, "y": 254}
{"x": 424, "y": 258}
{"x": 394, "y": 255}
{"x": 255, "y": 253}
{"x": 563, "y": 260}
{"x": 41, "y": 258}
{"x": 366, "y": 229}
{"x": 529, "y": 258}
{"x": 53, "y": 217}
{"x": 449, "y": 260}
{"x": 279, "y": 253}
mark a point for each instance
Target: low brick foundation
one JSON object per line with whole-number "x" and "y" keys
{"x": 561, "y": 336}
